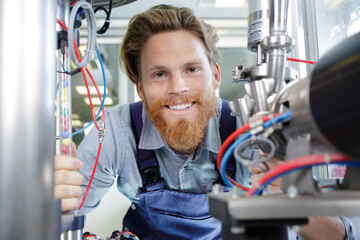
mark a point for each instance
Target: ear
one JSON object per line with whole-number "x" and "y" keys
{"x": 217, "y": 76}
{"x": 139, "y": 88}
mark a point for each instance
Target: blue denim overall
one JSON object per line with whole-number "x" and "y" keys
{"x": 166, "y": 214}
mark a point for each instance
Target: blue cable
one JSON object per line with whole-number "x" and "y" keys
{"x": 227, "y": 155}
{"x": 281, "y": 118}
{"x": 103, "y": 100}
{"x": 347, "y": 163}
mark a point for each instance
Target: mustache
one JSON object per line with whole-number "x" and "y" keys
{"x": 168, "y": 101}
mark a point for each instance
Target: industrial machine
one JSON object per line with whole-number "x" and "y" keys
{"x": 324, "y": 109}
{"x": 286, "y": 117}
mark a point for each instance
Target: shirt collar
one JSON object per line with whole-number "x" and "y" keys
{"x": 151, "y": 139}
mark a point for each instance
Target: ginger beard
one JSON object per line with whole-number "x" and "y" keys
{"x": 183, "y": 135}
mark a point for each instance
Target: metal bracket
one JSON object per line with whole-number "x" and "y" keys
{"x": 303, "y": 179}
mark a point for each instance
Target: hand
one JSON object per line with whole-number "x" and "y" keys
{"x": 68, "y": 180}
{"x": 258, "y": 172}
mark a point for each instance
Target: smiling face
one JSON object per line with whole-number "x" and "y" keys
{"x": 178, "y": 84}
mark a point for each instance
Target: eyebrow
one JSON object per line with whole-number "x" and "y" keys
{"x": 196, "y": 62}
{"x": 160, "y": 67}
{"x": 156, "y": 67}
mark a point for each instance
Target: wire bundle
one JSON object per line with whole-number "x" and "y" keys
{"x": 89, "y": 96}
{"x": 297, "y": 164}
{"x": 278, "y": 171}
{"x": 106, "y": 24}
{"x": 127, "y": 234}
{"x": 91, "y": 25}
{"x": 91, "y": 235}
{"x": 224, "y": 154}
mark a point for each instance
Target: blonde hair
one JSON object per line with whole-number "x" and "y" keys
{"x": 162, "y": 18}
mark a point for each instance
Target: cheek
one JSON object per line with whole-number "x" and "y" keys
{"x": 152, "y": 95}
{"x": 203, "y": 84}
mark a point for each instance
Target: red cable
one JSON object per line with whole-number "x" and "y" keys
{"x": 62, "y": 24}
{"x": 89, "y": 96}
{"x": 133, "y": 235}
{"x": 228, "y": 141}
{"x": 293, "y": 164}
{"x": 91, "y": 178}
{"x": 72, "y": 2}
{"x": 223, "y": 148}
{"x": 98, "y": 92}
{"x": 85, "y": 236}
{"x": 300, "y": 60}
{"x": 84, "y": 77}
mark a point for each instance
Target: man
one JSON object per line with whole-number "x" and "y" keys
{"x": 171, "y": 57}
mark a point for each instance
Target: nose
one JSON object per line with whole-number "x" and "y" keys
{"x": 178, "y": 85}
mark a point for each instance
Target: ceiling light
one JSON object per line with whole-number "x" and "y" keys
{"x": 77, "y": 123}
{"x": 96, "y": 101}
{"x": 83, "y": 91}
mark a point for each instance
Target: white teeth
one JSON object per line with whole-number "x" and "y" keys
{"x": 180, "y": 106}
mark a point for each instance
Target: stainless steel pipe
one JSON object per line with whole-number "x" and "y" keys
{"x": 27, "y": 94}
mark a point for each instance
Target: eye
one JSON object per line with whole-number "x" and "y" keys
{"x": 192, "y": 69}
{"x": 159, "y": 74}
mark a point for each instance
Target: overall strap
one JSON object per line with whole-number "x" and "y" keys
{"x": 146, "y": 159}
{"x": 227, "y": 127}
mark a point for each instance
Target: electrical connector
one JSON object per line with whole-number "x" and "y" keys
{"x": 101, "y": 132}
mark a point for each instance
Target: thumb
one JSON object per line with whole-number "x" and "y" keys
{"x": 73, "y": 149}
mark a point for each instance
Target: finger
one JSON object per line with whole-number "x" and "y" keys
{"x": 276, "y": 182}
{"x": 65, "y": 177}
{"x": 261, "y": 153}
{"x": 67, "y": 163}
{"x": 273, "y": 162}
{"x": 257, "y": 169}
{"x": 69, "y": 203}
{"x": 73, "y": 149}
{"x": 274, "y": 188}
{"x": 256, "y": 177}
{"x": 67, "y": 191}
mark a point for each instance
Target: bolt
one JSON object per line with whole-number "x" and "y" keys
{"x": 296, "y": 228}
{"x": 236, "y": 192}
{"x": 216, "y": 188}
{"x": 292, "y": 191}
{"x": 237, "y": 230}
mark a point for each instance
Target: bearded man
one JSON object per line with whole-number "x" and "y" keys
{"x": 163, "y": 149}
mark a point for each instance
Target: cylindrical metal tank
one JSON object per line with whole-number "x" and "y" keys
{"x": 27, "y": 122}
{"x": 335, "y": 96}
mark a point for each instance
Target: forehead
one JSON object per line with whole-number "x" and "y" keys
{"x": 172, "y": 47}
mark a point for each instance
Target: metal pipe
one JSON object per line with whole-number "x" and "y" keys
{"x": 278, "y": 16}
{"x": 259, "y": 95}
{"x": 259, "y": 54}
{"x": 27, "y": 80}
{"x": 278, "y": 43}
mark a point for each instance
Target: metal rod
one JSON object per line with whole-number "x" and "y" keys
{"x": 259, "y": 54}
{"x": 278, "y": 16}
{"x": 27, "y": 80}
{"x": 278, "y": 43}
